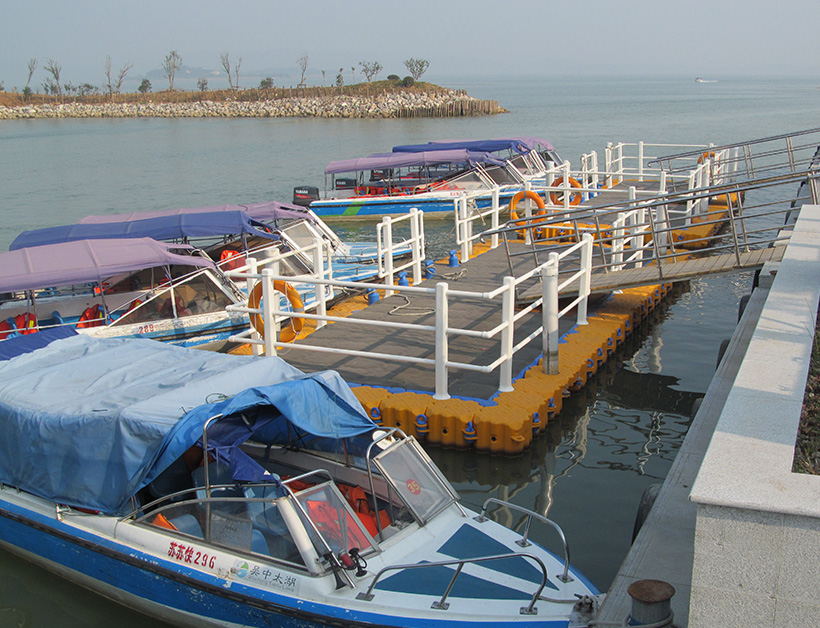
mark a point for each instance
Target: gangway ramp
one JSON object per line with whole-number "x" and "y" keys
{"x": 670, "y": 272}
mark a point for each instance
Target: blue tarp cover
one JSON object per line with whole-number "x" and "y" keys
{"x": 171, "y": 227}
{"x": 88, "y": 422}
{"x": 266, "y": 211}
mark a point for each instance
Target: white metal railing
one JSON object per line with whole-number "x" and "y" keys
{"x": 273, "y": 314}
{"x": 386, "y": 248}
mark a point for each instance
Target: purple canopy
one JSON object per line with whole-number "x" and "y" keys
{"x": 408, "y": 160}
{"x": 85, "y": 261}
{"x": 265, "y": 211}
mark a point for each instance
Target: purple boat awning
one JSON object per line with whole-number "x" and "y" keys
{"x": 265, "y": 211}
{"x": 85, "y": 261}
{"x": 409, "y": 160}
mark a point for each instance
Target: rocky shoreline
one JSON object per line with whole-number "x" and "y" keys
{"x": 387, "y": 105}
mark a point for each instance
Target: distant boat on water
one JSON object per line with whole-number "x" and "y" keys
{"x": 701, "y": 80}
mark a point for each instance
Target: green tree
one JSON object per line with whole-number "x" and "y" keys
{"x": 340, "y": 79}
{"x": 370, "y": 69}
{"x": 202, "y": 84}
{"x": 144, "y": 87}
{"x": 416, "y": 67}
{"x": 172, "y": 63}
{"x": 266, "y": 83}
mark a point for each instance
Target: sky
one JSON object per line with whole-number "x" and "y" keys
{"x": 469, "y": 38}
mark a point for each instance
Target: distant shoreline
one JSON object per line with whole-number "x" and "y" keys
{"x": 367, "y": 101}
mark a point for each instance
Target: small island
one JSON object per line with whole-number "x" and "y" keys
{"x": 377, "y": 99}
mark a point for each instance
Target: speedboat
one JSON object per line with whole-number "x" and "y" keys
{"x": 118, "y": 287}
{"x": 209, "y": 489}
{"x": 430, "y": 177}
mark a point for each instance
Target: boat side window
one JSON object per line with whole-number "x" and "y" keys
{"x": 247, "y": 520}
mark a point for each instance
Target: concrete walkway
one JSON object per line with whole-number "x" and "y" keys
{"x": 664, "y": 548}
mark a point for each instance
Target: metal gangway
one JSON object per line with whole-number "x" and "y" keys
{"x": 743, "y": 219}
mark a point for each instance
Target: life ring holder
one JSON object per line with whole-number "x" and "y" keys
{"x": 710, "y": 154}
{"x": 286, "y": 334}
{"x": 574, "y": 198}
{"x": 519, "y": 196}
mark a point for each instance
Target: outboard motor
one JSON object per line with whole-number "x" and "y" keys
{"x": 304, "y": 195}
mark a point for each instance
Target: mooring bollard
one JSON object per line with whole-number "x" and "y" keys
{"x": 651, "y": 603}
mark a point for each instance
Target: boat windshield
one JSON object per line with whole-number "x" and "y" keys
{"x": 412, "y": 474}
{"x": 198, "y": 295}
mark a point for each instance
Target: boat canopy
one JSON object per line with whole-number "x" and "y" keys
{"x": 85, "y": 261}
{"x": 89, "y": 421}
{"x": 171, "y": 227}
{"x": 514, "y": 144}
{"x": 268, "y": 211}
{"x": 410, "y": 160}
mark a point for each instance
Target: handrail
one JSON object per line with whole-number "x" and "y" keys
{"x": 441, "y": 329}
{"x": 531, "y": 514}
{"x": 442, "y": 603}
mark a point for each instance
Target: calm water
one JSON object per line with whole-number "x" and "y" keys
{"x": 615, "y": 438}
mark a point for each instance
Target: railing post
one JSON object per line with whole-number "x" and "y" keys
{"x": 321, "y": 273}
{"x": 464, "y": 231}
{"x": 268, "y": 311}
{"x": 527, "y": 213}
{"x": 549, "y": 316}
{"x": 586, "y": 277}
{"x": 495, "y": 218}
{"x": 640, "y": 160}
{"x": 388, "y": 254}
{"x": 250, "y": 282}
{"x": 416, "y": 238}
{"x": 442, "y": 350}
{"x": 507, "y": 335}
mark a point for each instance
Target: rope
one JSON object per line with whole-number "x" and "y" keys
{"x": 416, "y": 310}
{"x": 456, "y": 274}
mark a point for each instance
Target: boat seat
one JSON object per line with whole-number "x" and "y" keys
{"x": 187, "y": 524}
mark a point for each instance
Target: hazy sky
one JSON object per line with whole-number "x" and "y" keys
{"x": 458, "y": 37}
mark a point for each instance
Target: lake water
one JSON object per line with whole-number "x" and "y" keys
{"x": 612, "y": 440}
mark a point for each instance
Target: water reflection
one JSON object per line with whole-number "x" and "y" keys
{"x": 587, "y": 471}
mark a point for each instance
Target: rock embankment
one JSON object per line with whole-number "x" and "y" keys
{"x": 392, "y": 105}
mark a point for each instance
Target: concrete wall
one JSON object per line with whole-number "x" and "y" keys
{"x": 757, "y": 534}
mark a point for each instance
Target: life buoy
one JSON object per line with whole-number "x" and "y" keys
{"x": 290, "y": 332}
{"x": 91, "y": 317}
{"x": 574, "y": 198}
{"x": 705, "y": 156}
{"x": 539, "y": 204}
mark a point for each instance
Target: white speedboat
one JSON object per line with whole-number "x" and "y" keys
{"x": 215, "y": 490}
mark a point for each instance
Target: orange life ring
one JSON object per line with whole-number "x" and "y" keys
{"x": 539, "y": 204}
{"x": 574, "y": 199}
{"x": 705, "y": 156}
{"x": 286, "y": 334}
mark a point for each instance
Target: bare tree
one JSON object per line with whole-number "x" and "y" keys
{"x": 302, "y": 62}
{"x": 416, "y": 67}
{"x": 109, "y": 84}
{"x": 121, "y": 76}
{"x": 54, "y": 68}
{"x": 370, "y": 69}
{"x": 225, "y": 58}
{"x": 32, "y": 66}
{"x": 323, "y": 78}
{"x": 236, "y": 72}
{"x": 170, "y": 66}
{"x": 353, "y": 74}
